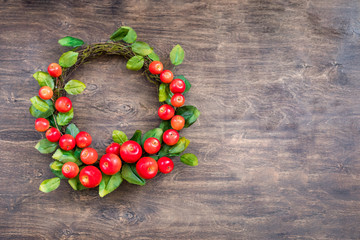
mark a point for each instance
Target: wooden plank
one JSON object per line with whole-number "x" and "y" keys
{"x": 278, "y": 86}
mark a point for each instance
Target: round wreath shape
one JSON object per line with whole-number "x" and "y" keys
{"x": 134, "y": 159}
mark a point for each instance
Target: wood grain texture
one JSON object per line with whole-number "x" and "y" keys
{"x": 277, "y": 82}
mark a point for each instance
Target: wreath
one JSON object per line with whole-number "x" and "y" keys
{"x": 137, "y": 159}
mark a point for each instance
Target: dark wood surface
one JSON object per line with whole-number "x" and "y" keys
{"x": 278, "y": 85}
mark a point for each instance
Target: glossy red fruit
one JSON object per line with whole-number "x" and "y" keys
{"x": 152, "y": 145}
{"x": 83, "y": 139}
{"x": 177, "y": 86}
{"x": 45, "y": 93}
{"x": 70, "y": 170}
{"x": 113, "y": 148}
{"x": 165, "y": 165}
{"x": 156, "y": 67}
{"x": 110, "y": 164}
{"x": 177, "y": 100}
{"x": 130, "y": 151}
{"x": 166, "y": 76}
{"x": 63, "y": 104}
{"x": 54, "y": 70}
{"x": 67, "y": 142}
{"x": 41, "y": 124}
{"x": 88, "y": 156}
{"x": 53, "y": 134}
{"x": 177, "y": 122}
{"x": 147, "y": 167}
{"x": 90, "y": 176}
{"x": 166, "y": 112}
{"x": 171, "y": 137}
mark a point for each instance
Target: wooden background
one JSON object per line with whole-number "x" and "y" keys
{"x": 278, "y": 85}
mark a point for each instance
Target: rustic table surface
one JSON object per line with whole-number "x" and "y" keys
{"x": 278, "y": 85}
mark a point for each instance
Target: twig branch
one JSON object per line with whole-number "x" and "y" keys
{"x": 95, "y": 50}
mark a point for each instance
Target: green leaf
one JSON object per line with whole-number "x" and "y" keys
{"x": 68, "y": 59}
{"x": 187, "y": 142}
{"x": 52, "y": 121}
{"x": 50, "y": 103}
{"x": 76, "y": 184}
{"x": 56, "y": 167}
{"x": 136, "y": 137}
{"x": 66, "y": 156}
{"x": 189, "y": 159}
{"x": 187, "y": 83}
{"x": 73, "y": 183}
{"x": 45, "y": 146}
{"x": 119, "y": 136}
{"x": 141, "y": 48}
{"x": 39, "y": 114}
{"x": 70, "y": 42}
{"x": 135, "y": 63}
{"x": 162, "y": 92}
{"x": 74, "y": 87}
{"x": 44, "y": 79}
{"x": 77, "y": 152}
{"x": 129, "y": 173}
{"x": 72, "y": 129}
{"x": 180, "y": 146}
{"x": 175, "y": 150}
{"x": 39, "y": 104}
{"x": 119, "y": 34}
{"x": 63, "y": 119}
{"x": 49, "y": 185}
{"x": 156, "y": 133}
{"x": 130, "y": 36}
{"x": 190, "y": 114}
{"x": 57, "y": 155}
{"x": 153, "y": 56}
{"x": 165, "y": 125}
{"x": 104, "y": 181}
{"x": 164, "y": 151}
{"x": 177, "y": 55}
{"x": 109, "y": 183}
{"x": 168, "y": 101}
{"x": 154, "y": 157}
{"x": 169, "y": 94}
